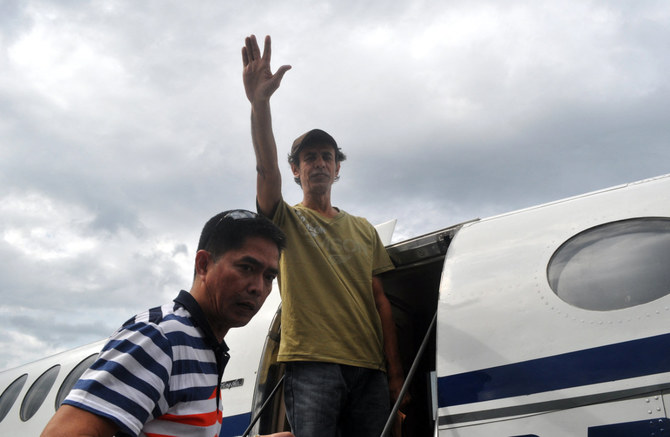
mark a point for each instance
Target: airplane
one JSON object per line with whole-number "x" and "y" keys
{"x": 550, "y": 321}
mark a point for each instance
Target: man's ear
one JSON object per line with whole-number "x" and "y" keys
{"x": 202, "y": 260}
{"x": 295, "y": 169}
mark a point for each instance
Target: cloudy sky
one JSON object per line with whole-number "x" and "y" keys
{"x": 124, "y": 127}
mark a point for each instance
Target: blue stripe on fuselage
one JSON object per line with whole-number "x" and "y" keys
{"x": 646, "y": 356}
{"x": 235, "y": 425}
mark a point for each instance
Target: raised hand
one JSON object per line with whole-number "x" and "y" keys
{"x": 259, "y": 82}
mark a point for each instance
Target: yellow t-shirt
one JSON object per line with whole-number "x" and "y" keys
{"x": 325, "y": 281}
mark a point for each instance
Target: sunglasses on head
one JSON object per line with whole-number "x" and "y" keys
{"x": 239, "y": 214}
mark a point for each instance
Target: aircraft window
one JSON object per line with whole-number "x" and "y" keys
{"x": 10, "y": 394}
{"x": 72, "y": 378}
{"x": 613, "y": 266}
{"x": 38, "y": 392}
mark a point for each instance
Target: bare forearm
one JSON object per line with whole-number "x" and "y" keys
{"x": 268, "y": 182}
{"x": 263, "y": 138}
{"x": 390, "y": 340}
{"x": 73, "y": 422}
{"x": 388, "y": 330}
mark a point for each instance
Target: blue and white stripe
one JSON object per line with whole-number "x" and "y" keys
{"x": 159, "y": 370}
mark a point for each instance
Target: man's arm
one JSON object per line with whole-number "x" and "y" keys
{"x": 259, "y": 85}
{"x": 71, "y": 421}
{"x": 394, "y": 369}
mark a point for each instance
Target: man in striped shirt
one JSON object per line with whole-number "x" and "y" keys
{"x": 160, "y": 373}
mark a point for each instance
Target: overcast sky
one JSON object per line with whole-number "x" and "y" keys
{"x": 124, "y": 126}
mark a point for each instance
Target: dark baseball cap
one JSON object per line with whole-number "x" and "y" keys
{"x": 312, "y": 138}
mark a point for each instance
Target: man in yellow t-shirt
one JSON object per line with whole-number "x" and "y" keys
{"x": 338, "y": 335}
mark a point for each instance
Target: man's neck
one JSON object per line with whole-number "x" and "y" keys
{"x": 319, "y": 203}
{"x": 198, "y": 292}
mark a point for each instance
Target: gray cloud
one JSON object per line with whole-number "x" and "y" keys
{"x": 124, "y": 127}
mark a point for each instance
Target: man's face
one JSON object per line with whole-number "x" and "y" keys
{"x": 317, "y": 168}
{"x": 238, "y": 282}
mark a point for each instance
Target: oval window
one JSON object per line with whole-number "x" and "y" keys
{"x": 10, "y": 394}
{"x": 38, "y": 392}
{"x": 613, "y": 266}
{"x": 72, "y": 378}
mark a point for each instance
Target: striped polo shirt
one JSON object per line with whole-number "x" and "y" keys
{"x": 159, "y": 374}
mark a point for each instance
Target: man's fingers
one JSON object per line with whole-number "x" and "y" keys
{"x": 245, "y": 57}
{"x": 267, "y": 48}
{"x": 281, "y": 71}
{"x": 253, "y": 51}
{"x": 247, "y": 48}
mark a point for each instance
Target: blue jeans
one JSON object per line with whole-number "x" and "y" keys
{"x": 331, "y": 400}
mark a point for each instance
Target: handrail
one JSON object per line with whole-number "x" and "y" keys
{"x": 265, "y": 404}
{"x": 408, "y": 380}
